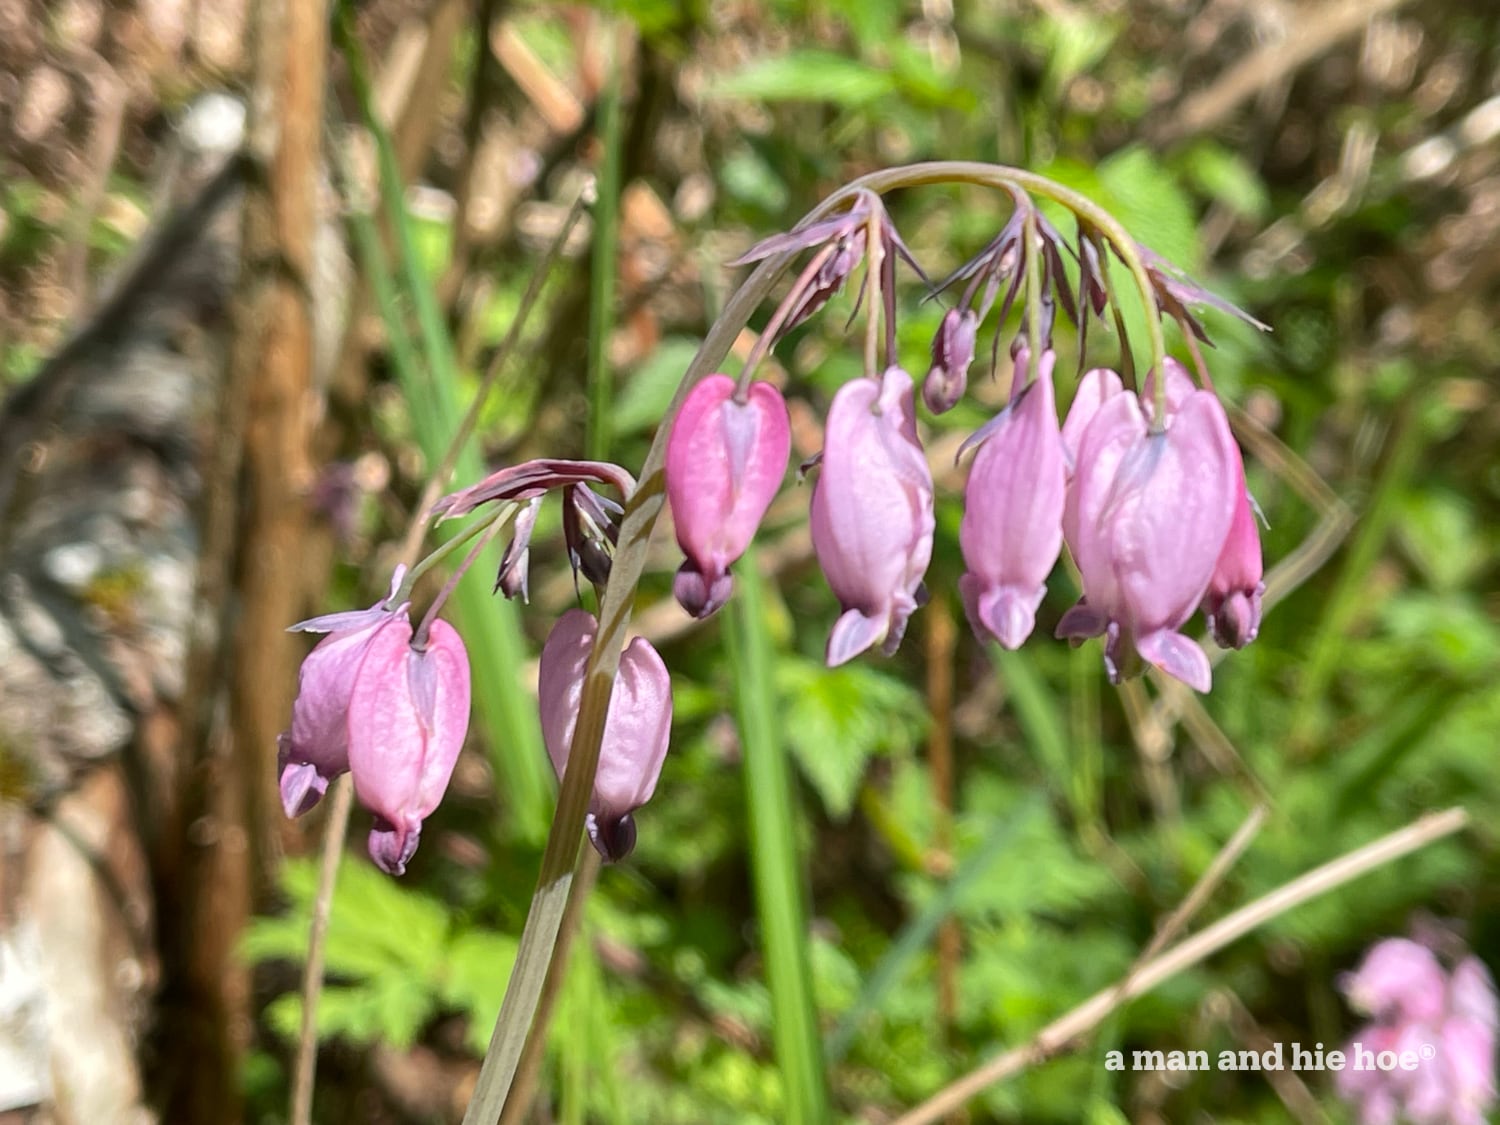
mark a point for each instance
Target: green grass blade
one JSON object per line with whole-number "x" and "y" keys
{"x": 491, "y": 627}
{"x": 605, "y": 260}
{"x": 776, "y": 866}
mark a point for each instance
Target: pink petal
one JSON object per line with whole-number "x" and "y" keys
{"x": 724, "y": 465}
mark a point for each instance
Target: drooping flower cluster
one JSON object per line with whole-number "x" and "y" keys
{"x": 1147, "y": 490}
{"x": 1428, "y": 1054}
{"x": 388, "y": 708}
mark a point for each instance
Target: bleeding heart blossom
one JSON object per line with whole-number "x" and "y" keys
{"x": 725, "y": 461}
{"x": 392, "y": 715}
{"x": 408, "y": 715}
{"x": 1013, "y": 506}
{"x": 1445, "y": 1023}
{"x": 872, "y": 516}
{"x": 637, "y": 726}
{"x": 1148, "y": 514}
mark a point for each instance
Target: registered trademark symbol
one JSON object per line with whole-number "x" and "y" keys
{"x": 1428, "y": 1051}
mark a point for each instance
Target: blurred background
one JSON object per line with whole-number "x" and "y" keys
{"x": 226, "y": 381}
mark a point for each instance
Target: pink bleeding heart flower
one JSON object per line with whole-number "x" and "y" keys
{"x": 316, "y": 748}
{"x": 1399, "y": 979}
{"x": 1232, "y": 603}
{"x": 1467, "y": 1050}
{"x": 1013, "y": 504}
{"x": 1148, "y": 515}
{"x": 637, "y": 726}
{"x": 408, "y": 716}
{"x": 725, "y": 462}
{"x": 872, "y": 513}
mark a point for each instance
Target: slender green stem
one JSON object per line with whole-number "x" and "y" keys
{"x": 492, "y": 630}
{"x": 767, "y": 339}
{"x": 492, "y": 524}
{"x": 539, "y": 937}
{"x": 775, "y": 863}
{"x": 606, "y": 254}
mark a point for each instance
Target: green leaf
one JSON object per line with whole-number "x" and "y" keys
{"x": 807, "y": 76}
{"x": 649, "y": 391}
{"x": 1227, "y": 177}
{"x": 837, "y": 720}
{"x": 1152, "y": 205}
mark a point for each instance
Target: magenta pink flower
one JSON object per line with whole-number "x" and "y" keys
{"x": 408, "y": 716}
{"x": 872, "y": 518}
{"x": 1399, "y": 980}
{"x": 1148, "y": 514}
{"x": 637, "y": 726}
{"x": 392, "y": 715}
{"x": 725, "y": 461}
{"x": 1013, "y": 505}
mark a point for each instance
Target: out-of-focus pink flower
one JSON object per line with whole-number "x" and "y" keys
{"x": 1179, "y": 386}
{"x": 408, "y": 716}
{"x": 637, "y": 726}
{"x": 725, "y": 461}
{"x": 1232, "y": 603}
{"x": 1148, "y": 514}
{"x": 1013, "y": 504}
{"x": 1445, "y": 1024}
{"x": 952, "y": 353}
{"x": 1399, "y": 980}
{"x": 872, "y": 517}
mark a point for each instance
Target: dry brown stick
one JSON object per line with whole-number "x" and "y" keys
{"x": 335, "y": 828}
{"x": 942, "y": 638}
{"x": 1081, "y": 1020}
{"x": 1313, "y": 33}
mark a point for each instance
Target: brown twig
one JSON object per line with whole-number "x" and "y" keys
{"x": 1063, "y": 1031}
{"x": 335, "y": 828}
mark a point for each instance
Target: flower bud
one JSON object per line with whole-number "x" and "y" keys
{"x": 1232, "y": 603}
{"x": 872, "y": 517}
{"x": 725, "y": 462}
{"x": 952, "y": 353}
{"x": 637, "y": 726}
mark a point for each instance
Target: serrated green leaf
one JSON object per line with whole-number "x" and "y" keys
{"x": 837, "y": 719}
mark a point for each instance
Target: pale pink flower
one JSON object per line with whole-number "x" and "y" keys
{"x": 1013, "y": 504}
{"x": 872, "y": 513}
{"x": 637, "y": 726}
